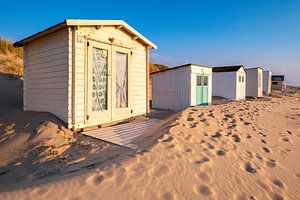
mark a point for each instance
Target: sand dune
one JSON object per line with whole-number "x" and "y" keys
{"x": 240, "y": 150}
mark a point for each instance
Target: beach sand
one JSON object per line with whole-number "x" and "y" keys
{"x": 239, "y": 150}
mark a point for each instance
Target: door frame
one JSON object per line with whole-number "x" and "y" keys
{"x": 202, "y": 82}
{"x": 97, "y": 117}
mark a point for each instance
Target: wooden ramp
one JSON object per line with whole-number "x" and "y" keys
{"x": 122, "y": 134}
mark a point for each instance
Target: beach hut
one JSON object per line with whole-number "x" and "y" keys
{"x": 180, "y": 87}
{"x": 229, "y": 82}
{"x": 267, "y": 82}
{"x": 254, "y": 82}
{"x": 87, "y": 72}
{"x": 278, "y": 82}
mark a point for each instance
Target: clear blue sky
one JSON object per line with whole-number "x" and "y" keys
{"x": 262, "y": 33}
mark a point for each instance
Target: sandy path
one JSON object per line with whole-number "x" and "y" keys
{"x": 241, "y": 150}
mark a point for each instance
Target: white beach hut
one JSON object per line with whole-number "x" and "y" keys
{"x": 229, "y": 82}
{"x": 267, "y": 82}
{"x": 87, "y": 72}
{"x": 254, "y": 83}
{"x": 183, "y": 86}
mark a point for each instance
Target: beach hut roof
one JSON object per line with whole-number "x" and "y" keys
{"x": 227, "y": 68}
{"x": 185, "y": 65}
{"x": 120, "y": 24}
{"x": 278, "y": 78}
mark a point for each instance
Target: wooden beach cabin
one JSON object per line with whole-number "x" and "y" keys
{"x": 254, "y": 83}
{"x": 180, "y": 87}
{"x": 87, "y": 72}
{"x": 267, "y": 82}
{"x": 278, "y": 82}
{"x": 229, "y": 82}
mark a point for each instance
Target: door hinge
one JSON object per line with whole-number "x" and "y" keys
{"x": 88, "y": 44}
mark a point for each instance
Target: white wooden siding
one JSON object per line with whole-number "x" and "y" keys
{"x": 252, "y": 85}
{"x": 171, "y": 89}
{"x": 225, "y": 84}
{"x": 46, "y": 74}
{"x": 267, "y": 81}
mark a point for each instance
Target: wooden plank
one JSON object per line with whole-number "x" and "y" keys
{"x": 122, "y": 134}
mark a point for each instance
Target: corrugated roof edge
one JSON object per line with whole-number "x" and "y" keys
{"x": 185, "y": 65}
{"x": 75, "y": 22}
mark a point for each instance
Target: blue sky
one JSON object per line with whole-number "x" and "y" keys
{"x": 262, "y": 33}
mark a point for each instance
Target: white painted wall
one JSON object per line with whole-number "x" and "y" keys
{"x": 197, "y": 70}
{"x": 267, "y": 81}
{"x": 46, "y": 74}
{"x": 254, "y": 84}
{"x": 225, "y": 85}
{"x": 171, "y": 89}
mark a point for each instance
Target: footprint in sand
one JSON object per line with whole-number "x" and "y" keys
{"x": 161, "y": 170}
{"x": 277, "y": 197}
{"x": 271, "y": 163}
{"x": 210, "y": 146}
{"x": 221, "y": 153}
{"x": 249, "y": 168}
{"x": 95, "y": 180}
{"x": 263, "y": 141}
{"x": 266, "y": 150}
{"x": 203, "y": 190}
{"x": 278, "y": 183}
{"x": 203, "y": 176}
{"x": 202, "y": 160}
{"x": 190, "y": 119}
{"x": 236, "y": 138}
{"x": 166, "y": 196}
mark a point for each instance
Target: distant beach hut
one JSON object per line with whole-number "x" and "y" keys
{"x": 254, "y": 83}
{"x": 183, "y": 86}
{"x": 267, "y": 82}
{"x": 229, "y": 82}
{"x": 87, "y": 72}
{"x": 278, "y": 82}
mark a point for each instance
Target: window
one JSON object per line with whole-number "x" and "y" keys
{"x": 274, "y": 83}
{"x": 121, "y": 80}
{"x": 205, "y": 81}
{"x": 199, "y": 80}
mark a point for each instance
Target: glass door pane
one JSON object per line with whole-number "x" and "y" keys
{"x": 99, "y": 79}
{"x": 121, "y": 80}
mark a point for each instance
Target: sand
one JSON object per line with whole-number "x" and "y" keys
{"x": 239, "y": 150}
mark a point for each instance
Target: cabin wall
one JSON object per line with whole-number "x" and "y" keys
{"x": 267, "y": 82}
{"x": 46, "y": 62}
{"x": 138, "y": 67}
{"x": 252, "y": 83}
{"x": 278, "y": 85}
{"x": 225, "y": 85}
{"x": 196, "y": 70}
{"x": 171, "y": 89}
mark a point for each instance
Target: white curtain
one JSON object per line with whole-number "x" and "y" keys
{"x": 122, "y": 80}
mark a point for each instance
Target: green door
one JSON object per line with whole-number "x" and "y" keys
{"x": 202, "y": 90}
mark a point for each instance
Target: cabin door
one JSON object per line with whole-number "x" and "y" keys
{"x": 202, "y": 90}
{"x": 121, "y": 83}
{"x": 99, "y": 83}
{"x": 241, "y": 87}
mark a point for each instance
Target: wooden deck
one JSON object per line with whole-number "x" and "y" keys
{"x": 122, "y": 134}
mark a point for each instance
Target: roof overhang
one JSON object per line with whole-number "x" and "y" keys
{"x": 76, "y": 22}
